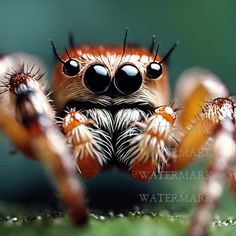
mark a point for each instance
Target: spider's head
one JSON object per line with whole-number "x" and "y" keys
{"x": 108, "y": 76}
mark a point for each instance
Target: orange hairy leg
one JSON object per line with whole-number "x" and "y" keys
{"x": 195, "y": 127}
{"x": 231, "y": 176}
{"x": 194, "y": 139}
{"x": 151, "y": 143}
{"x": 16, "y": 132}
{"x": 143, "y": 171}
{"x": 212, "y": 187}
{"x": 49, "y": 146}
{"x": 26, "y": 109}
{"x": 194, "y": 87}
{"x": 75, "y": 127}
{"x": 215, "y": 118}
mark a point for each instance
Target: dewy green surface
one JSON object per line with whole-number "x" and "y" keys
{"x": 135, "y": 223}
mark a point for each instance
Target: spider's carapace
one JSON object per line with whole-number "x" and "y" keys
{"x": 154, "y": 91}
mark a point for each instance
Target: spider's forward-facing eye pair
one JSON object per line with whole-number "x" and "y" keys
{"x": 127, "y": 78}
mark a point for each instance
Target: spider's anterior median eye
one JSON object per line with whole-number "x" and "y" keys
{"x": 128, "y": 79}
{"x": 97, "y": 78}
{"x": 71, "y": 67}
{"x": 154, "y": 70}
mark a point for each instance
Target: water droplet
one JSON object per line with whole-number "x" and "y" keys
{"x": 120, "y": 215}
{"x": 14, "y": 219}
{"x": 93, "y": 216}
{"x": 111, "y": 213}
{"x": 101, "y": 218}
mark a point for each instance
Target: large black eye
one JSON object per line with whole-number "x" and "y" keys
{"x": 154, "y": 70}
{"x": 71, "y": 67}
{"x": 97, "y": 78}
{"x": 128, "y": 79}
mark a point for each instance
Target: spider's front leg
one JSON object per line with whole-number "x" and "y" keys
{"x": 221, "y": 112}
{"x": 200, "y": 120}
{"x": 160, "y": 146}
{"x": 28, "y": 120}
{"x": 151, "y": 144}
{"x": 143, "y": 146}
{"x": 194, "y": 125}
{"x": 159, "y": 141}
{"x": 212, "y": 187}
{"x": 89, "y": 132}
{"x": 231, "y": 176}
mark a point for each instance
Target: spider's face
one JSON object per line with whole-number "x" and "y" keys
{"x": 105, "y": 76}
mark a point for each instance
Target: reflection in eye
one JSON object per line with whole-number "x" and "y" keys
{"x": 97, "y": 78}
{"x": 71, "y": 67}
{"x": 128, "y": 79}
{"x": 154, "y": 70}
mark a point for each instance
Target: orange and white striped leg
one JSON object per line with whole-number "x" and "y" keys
{"x": 212, "y": 187}
{"x": 151, "y": 145}
{"x": 231, "y": 175}
{"x": 196, "y": 90}
{"x": 25, "y": 109}
{"x": 91, "y": 145}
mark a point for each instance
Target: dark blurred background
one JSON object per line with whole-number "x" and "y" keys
{"x": 207, "y": 34}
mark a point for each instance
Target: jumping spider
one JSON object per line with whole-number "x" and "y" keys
{"x": 112, "y": 105}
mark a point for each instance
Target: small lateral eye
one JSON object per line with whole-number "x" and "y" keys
{"x": 128, "y": 79}
{"x": 97, "y": 78}
{"x": 154, "y": 70}
{"x": 71, "y": 67}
